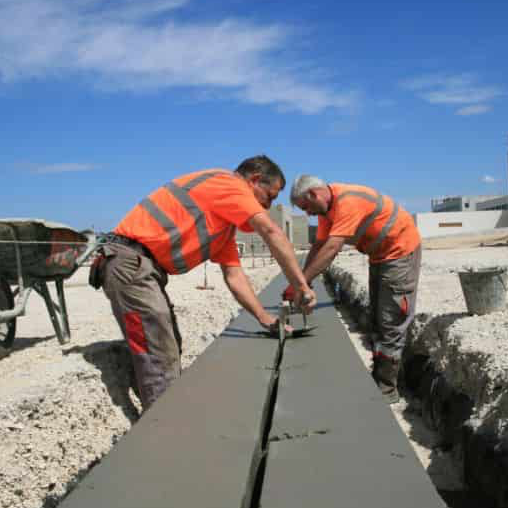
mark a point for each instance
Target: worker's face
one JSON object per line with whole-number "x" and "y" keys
{"x": 266, "y": 192}
{"x": 312, "y": 203}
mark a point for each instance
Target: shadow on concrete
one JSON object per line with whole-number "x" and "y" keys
{"x": 238, "y": 333}
{"x": 322, "y": 305}
{"x": 241, "y": 333}
{"x": 114, "y": 361}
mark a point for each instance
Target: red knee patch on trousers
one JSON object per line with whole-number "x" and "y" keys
{"x": 135, "y": 334}
{"x": 378, "y": 354}
{"x": 404, "y": 306}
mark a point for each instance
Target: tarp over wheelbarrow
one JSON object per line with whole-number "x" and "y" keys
{"x": 47, "y": 249}
{"x": 34, "y": 252}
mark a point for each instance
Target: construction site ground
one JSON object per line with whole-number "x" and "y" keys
{"x": 63, "y": 407}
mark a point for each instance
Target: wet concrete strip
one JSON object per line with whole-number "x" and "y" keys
{"x": 334, "y": 441}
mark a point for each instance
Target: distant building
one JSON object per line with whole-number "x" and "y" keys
{"x": 312, "y": 234}
{"x": 498, "y": 203}
{"x": 300, "y": 231}
{"x": 462, "y": 203}
{"x": 296, "y": 228}
{"x": 282, "y": 216}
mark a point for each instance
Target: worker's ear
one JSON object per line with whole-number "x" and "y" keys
{"x": 312, "y": 194}
{"x": 254, "y": 178}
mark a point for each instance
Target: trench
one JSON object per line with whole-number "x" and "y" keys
{"x": 444, "y": 412}
{"x": 256, "y": 489}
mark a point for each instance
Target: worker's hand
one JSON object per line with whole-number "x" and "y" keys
{"x": 272, "y": 325}
{"x": 289, "y": 293}
{"x": 305, "y": 300}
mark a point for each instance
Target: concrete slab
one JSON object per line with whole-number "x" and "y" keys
{"x": 320, "y": 471}
{"x": 199, "y": 445}
{"x": 333, "y": 441}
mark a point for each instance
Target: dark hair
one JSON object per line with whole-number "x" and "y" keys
{"x": 262, "y": 164}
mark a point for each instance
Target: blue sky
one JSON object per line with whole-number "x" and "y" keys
{"x": 103, "y": 101}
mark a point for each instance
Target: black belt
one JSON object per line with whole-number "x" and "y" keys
{"x": 129, "y": 242}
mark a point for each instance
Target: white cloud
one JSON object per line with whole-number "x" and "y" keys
{"x": 476, "y": 109}
{"x": 119, "y": 45}
{"x": 62, "y": 168}
{"x": 461, "y": 89}
{"x": 489, "y": 179}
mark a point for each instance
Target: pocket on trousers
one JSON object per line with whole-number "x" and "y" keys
{"x": 403, "y": 287}
{"x": 401, "y": 277}
{"x": 124, "y": 267}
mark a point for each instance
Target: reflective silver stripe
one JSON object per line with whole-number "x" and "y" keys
{"x": 362, "y": 229}
{"x": 188, "y": 203}
{"x": 181, "y": 194}
{"x": 202, "y": 178}
{"x": 385, "y": 230}
{"x": 174, "y": 234}
{"x": 364, "y": 226}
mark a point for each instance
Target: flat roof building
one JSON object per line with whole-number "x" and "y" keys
{"x": 460, "y": 203}
{"x": 498, "y": 203}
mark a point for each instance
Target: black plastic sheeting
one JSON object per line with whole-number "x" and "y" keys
{"x": 55, "y": 255}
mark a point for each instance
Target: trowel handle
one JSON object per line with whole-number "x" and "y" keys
{"x": 284, "y": 311}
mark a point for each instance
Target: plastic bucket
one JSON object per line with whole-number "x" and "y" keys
{"x": 484, "y": 289}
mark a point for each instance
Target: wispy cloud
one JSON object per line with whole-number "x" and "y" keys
{"x": 61, "y": 168}
{"x": 461, "y": 89}
{"x": 128, "y": 45}
{"x": 489, "y": 179}
{"x": 473, "y": 110}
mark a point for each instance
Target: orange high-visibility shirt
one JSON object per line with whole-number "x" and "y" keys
{"x": 193, "y": 218}
{"x": 373, "y": 223}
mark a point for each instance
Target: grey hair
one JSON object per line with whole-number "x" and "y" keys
{"x": 302, "y": 184}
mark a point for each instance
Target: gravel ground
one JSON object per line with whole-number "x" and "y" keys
{"x": 63, "y": 407}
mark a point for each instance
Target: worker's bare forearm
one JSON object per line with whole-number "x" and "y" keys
{"x": 312, "y": 253}
{"x": 241, "y": 288}
{"x": 323, "y": 257}
{"x": 281, "y": 249}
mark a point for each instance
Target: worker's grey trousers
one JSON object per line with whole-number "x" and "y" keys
{"x": 392, "y": 291}
{"x": 134, "y": 284}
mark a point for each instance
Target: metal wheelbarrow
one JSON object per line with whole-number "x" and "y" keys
{"x": 34, "y": 252}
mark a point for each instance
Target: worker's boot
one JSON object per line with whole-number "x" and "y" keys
{"x": 385, "y": 374}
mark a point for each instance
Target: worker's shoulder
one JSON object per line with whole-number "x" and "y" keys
{"x": 352, "y": 189}
{"x": 203, "y": 175}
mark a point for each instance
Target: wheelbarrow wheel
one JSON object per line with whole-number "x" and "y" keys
{"x": 8, "y": 329}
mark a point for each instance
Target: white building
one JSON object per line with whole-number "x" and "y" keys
{"x": 461, "y": 203}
